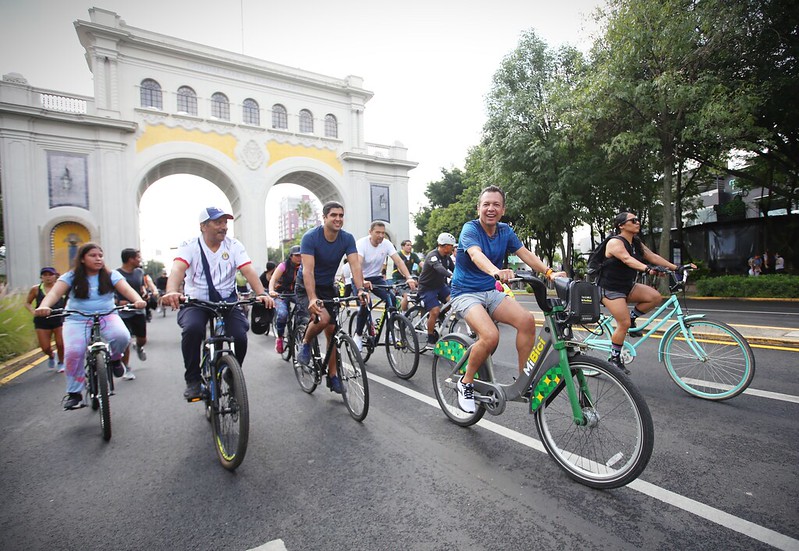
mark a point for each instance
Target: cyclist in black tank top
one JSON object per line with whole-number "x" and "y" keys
{"x": 47, "y": 329}
{"x": 628, "y": 257}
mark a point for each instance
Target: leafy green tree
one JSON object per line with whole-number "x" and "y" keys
{"x": 304, "y": 212}
{"x": 530, "y": 146}
{"x": 153, "y": 268}
{"x": 654, "y": 75}
{"x": 440, "y": 194}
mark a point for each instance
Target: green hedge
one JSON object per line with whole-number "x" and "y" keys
{"x": 765, "y": 286}
{"x": 17, "y": 335}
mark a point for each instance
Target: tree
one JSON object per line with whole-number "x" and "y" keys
{"x": 440, "y": 194}
{"x": 530, "y": 145}
{"x": 304, "y": 212}
{"x": 153, "y": 268}
{"x": 655, "y": 75}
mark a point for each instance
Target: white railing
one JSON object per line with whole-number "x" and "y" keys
{"x": 63, "y": 103}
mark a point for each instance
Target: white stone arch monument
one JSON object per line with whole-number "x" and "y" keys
{"x": 88, "y": 160}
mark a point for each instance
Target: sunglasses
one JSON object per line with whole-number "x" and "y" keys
{"x": 635, "y": 220}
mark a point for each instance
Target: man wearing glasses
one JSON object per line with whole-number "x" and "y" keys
{"x": 627, "y": 256}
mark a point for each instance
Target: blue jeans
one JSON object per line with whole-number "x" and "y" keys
{"x": 282, "y": 314}
{"x": 385, "y": 294}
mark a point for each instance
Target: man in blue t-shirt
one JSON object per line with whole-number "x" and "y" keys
{"x": 484, "y": 244}
{"x": 322, "y": 249}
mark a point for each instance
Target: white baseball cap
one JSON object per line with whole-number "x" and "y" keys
{"x": 213, "y": 213}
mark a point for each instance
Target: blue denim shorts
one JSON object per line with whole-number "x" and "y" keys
{"x": 489, "y": 300}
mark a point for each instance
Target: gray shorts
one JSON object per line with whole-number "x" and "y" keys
{"x": 489, "y": 300}
{"x": 611, "y": 295}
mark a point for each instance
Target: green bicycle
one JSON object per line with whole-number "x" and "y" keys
{"x": 705, "y": 357}
{"x": 597, "y": 429}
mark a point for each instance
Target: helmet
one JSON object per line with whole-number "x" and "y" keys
{"x": 446, "y": 239}
{"x": 294, "y": 250}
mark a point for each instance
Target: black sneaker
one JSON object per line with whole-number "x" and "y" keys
{"x": 630, "y": 331}
{"x": 73, "y": 400}
{"x": 117, "y": 368}
{"x": 194, "y": 391}
{"x": 618, "y": 362}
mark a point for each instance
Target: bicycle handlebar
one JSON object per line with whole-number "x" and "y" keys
{"x": 64, "y": 312}
{"x": 216, "y": 306}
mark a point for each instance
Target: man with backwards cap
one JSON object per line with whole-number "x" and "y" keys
{"x": 209, "y": 264}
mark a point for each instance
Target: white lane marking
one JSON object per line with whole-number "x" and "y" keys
{"x": 752, "y": 391}
{"x": 694, "y": 507}
{"x": 274, "y": 545}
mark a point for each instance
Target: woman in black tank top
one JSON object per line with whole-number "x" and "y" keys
{"x": 627, "y": 257}
{"x": 47, "y": 329}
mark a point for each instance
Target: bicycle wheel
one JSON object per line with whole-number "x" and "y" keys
{"x": 100, "y": 361}
{"x": 402, "y": 346}
{"x": 352, "y": 372}
{"x": 724, "y": 368}
{"x": 416, "y": 316}
{"x": 368, "y": 344}
{"x": 459, "y": 325}
{"x": 230, "y": 412}
{"x": 288, "y": 344}
{"x": 614, "y": 446}
{"x": 305, "y": 374}
{"x": 445, "y": 379}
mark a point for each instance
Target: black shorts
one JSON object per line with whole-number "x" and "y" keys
{"x": 48, "y": 324}
{"x": 137, "y": 325}
{"x": 323, "y": 292}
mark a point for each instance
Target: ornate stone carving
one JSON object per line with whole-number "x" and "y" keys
{"x": 252, "y": 155}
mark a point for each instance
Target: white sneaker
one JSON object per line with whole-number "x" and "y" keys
{"x": 128, "y": 376}
{"x": 51, "y": 363}
{"x": 466, "y": 397}
{"x": 358, "y": 342}
{"x": 60, "y": 368}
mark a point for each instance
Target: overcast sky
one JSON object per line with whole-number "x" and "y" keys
{"x": 428, "y": 62}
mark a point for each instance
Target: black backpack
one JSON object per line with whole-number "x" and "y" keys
{"x": 597, "y": 260}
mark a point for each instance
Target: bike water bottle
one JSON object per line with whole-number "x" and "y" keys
{"x": 220, "y": 326}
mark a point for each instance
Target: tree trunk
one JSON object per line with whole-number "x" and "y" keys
{"x": 665, "y": 235}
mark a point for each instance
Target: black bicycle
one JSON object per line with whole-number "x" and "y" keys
{"x": 224, "y": 391}
{"x": 97, "y": 366}
{"x": 401, "y": 342}
{"x": 288, "y": 331}
{"x": 349, "y": 364}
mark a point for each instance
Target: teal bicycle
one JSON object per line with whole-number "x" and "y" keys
{"x": 597, "y": 429}
{"x": 705, "y": 357}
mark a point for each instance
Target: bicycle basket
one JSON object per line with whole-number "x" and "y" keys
{"x": 580, "y": 299}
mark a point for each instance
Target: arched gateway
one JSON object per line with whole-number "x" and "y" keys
{"x": 75, "y": 168}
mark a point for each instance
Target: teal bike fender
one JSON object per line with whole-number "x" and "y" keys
{"x": 673, "y": 328}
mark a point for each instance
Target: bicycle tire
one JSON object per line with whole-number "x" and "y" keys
{"x": 459, "y": 325}
{"x": 306, "y": 375}
{"x": 402, "y": 346}
{"x": 728, "y": 368}
{"x": 367, "y": 344}
{"x": 91, "y": 384}
{"x": 415, "y": 315}
{"x": 230, "y": 412}
{"x": 103, "y": 399}
{"x": 445, "y": 378}
{"x": 352, "y": 373}
{"x": 620, "y": 428}
{"x": 288, "y": 345}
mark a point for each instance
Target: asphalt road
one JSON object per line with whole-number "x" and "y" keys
{"x": 722, "y": 475}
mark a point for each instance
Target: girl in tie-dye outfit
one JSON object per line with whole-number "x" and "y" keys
{"x": 91, "y": 289}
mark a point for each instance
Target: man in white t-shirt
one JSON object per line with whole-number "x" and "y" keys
{"x": 373, "y": 250}
{"x": 210, "y": 258}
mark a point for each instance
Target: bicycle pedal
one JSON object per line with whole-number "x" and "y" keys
{"x": 196, "y": 399}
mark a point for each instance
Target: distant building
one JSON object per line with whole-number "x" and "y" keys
{"x": 290, "y": 222}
